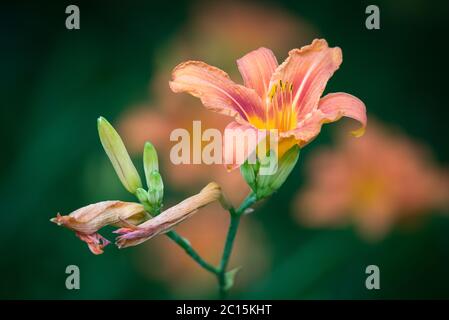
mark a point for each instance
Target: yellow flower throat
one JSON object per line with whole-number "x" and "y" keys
{"x": 280, "y": 112}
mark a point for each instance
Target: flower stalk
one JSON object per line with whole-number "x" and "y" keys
{"x": 235, "y": 216}
{"x": 184, "y": 244}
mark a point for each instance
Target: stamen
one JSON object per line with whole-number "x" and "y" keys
{"x": 276, "y": 106}
{"x": 281, "y": 106}
{"x": 282, "y": 101}
{"x": 272, "y": 92}
{"x": 290, "y": 110}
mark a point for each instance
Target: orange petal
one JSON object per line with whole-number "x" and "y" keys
{"x": 257, "y": 68}
{"x": 216, "y": 90}
{"x": 95, "y": 242}
{"x": 340, "y": 104}
{"x": 331, "y": 108}
{"x": 308, "y": 69}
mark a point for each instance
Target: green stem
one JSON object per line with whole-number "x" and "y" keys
{"x": 248, "y": 202}
{"x": 183, "y": 243}
{"x": 219, "y": 272}
{"x": 232, "y": 232}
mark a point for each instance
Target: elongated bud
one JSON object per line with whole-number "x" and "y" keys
{"x": 116, "y": 151}
{"x": 267, "y": 184}
{"x": 155, "y": 190}
{"x": 150, "y": 161}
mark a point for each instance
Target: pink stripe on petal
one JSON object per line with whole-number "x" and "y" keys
{"x": 216, "y": 90}
{"x": 308, "y": 69}
{"x": 257, "y": 68}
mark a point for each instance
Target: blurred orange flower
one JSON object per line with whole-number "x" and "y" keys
{"x": 216, "y": 33}
{"x": 376, "y": 181}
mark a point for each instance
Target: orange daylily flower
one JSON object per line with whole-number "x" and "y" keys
{"x": 284, "y": 97}
{"x": 214, "y": 32}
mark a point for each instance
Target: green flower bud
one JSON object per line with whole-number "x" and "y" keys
{"x": 142, "y": 195}
{"x": 155, "y": 190}
{"x": 150, "y": 161}
{"x": 116, "y": 151}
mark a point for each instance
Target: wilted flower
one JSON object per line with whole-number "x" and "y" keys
{"x": 375, "y": 182}
{"x": 167, "y": 220}
{"x": 284, "y": 97}
{"x": 87, "y": 220}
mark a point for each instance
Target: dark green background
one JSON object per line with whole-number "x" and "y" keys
{"x": 55, "y": 83}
